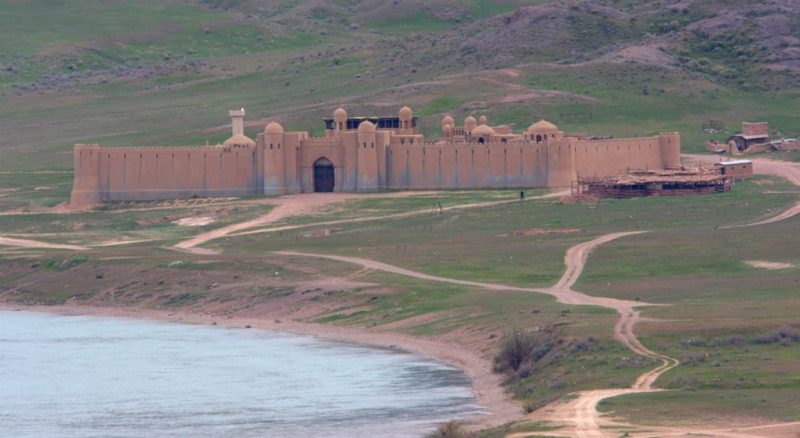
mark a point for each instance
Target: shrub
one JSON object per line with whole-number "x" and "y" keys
{"x": 786, "y": 335}
{"x": 520, "y": 349}
{"x": 451, "y": 429}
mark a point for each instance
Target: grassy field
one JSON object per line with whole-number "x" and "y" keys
{"x": 166, "y": 72}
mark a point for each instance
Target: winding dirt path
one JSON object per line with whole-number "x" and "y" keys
{"x": 580, "y": 415}
{"x": 295, "y": 205}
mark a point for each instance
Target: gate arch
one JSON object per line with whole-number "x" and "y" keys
{"x": 323, "y": 175}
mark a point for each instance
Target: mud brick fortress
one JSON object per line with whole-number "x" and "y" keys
{"x": 362, "y": 154}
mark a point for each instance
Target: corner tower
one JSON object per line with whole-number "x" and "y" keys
{"x": 670, "y": 143}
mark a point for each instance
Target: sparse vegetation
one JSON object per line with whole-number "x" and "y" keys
{"x": 451, "y": 429}
{"x": 521, "y": 350}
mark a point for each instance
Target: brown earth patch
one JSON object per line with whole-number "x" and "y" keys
{"x": 769, "y": 265}
{"x": 540, "y": 231}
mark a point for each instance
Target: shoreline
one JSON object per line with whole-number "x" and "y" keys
{"x": 485, "y": 384}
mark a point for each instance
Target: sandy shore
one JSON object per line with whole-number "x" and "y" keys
{"x": 485, "y": 384}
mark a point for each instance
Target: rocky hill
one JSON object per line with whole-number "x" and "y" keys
{"x": 163, "y": 71}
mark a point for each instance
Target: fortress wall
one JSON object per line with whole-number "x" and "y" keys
{"x": 382, "y": 139}
{"x": 144, "y": 173}
{"x": 349, "y": 145}
{"x": 86, "y": 179}
{"x": 560, "y": 162}
{"x": 498, "y": 157}
{"x": 448, "y": 166}
{"x": 464, "y": 164}
{"x": 611, "y": 157}
{"x": 433, "y": 172}
{"x": 293, "y": 161}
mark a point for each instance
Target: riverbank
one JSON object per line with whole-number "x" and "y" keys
{"x": 486, "y": 385}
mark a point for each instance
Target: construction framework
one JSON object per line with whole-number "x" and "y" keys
{"x": 694, "y": 181}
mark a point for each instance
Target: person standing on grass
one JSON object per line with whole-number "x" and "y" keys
{"x": 521, "y": 195}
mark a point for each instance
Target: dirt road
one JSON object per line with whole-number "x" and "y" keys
{"x": 764, "y": 166}
{"x": 296, "y": 205}
{"x": 25, "y": 243}
{"x": 579, "y": 416}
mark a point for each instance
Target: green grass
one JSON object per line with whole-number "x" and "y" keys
{"x": 711, "y": 407}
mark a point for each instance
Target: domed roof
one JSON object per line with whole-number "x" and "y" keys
{"x": 239, "y": 140}
{"x": 366, "y": 127}
{"x": 340, "y": 114}
{"x": 483, "y": 120}
{"x": 448, "y": 120}
{"x": 483, "y": 130}
{"x": 405, "y": 113}
{"x": 470, "y": 121}
{"x": 274, "y": 128}
{"x": 542, "y": 126}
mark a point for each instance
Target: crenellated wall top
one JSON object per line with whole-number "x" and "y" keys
{"x": 215, "y": 147}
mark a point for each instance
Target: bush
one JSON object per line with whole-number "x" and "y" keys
{"x": 451, "y": 429}
{"x": 785, "y": 335}
{"x": 520, "y": 349}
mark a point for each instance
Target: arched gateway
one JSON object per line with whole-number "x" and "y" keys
{"x": 323, "y": 175}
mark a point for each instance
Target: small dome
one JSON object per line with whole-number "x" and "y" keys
{"x": 405, "y": 113}
{"x": 448, "y": 120}
{"x": 483, "y": 120}
{"x": 239, "y": 140}
{"x": 274, "y": 128}
{"x": 469, "y": 123}
{"x": 542, "y": 126}
{"x": 366, "y": 127}
{"x": 340, "y": 114}
{"x": 483, "y": 130}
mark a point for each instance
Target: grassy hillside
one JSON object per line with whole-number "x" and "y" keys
{"x": 165, "y": 72}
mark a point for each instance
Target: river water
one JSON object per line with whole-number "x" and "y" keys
{"x": 77, "y": 376}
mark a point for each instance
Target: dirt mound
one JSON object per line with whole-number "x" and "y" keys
{"x": 197, "y": 221}
{"x": 650, "y": 55}
{"x": 769, "y": 265}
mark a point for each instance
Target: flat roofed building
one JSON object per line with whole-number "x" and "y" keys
{"x": 735, "y": 169}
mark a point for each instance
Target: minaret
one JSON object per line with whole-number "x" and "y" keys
{"x": 339, "y": 121}
{"x": 237, "y": 122}
{"x": 406, "y": 117}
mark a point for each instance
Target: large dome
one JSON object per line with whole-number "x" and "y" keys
{"x": 483, "y": 130}
{"x": 366, "y": 127}
{"x": 340, "y": 114}
{"x": 542, "y": 126}
{"x": 239, "y": 140}
{"x": 274, "y": 128}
